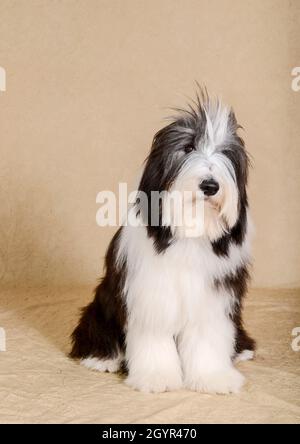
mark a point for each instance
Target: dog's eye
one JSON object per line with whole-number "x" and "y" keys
{"x": 188, "y": 149}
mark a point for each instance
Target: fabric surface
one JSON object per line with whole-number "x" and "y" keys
{"x": 39, "y": 384}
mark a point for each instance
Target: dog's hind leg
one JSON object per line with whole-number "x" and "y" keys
{"x": 245, "y": 346}
{"x": 98, "y": 341}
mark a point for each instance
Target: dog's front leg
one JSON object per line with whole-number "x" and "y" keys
{"x": 206, "y": 352}
{"x": 152, "y": 360}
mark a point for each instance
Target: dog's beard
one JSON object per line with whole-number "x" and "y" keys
{"x": 195, "y": 216}
{"x": 215, "y": 225}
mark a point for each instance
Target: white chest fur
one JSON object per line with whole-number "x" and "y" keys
{"x": 165, "y": 291}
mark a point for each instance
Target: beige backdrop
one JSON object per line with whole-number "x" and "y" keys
{"x": 88, "y": 84}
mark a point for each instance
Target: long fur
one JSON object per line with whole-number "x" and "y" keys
{"x": 170, "y": 306}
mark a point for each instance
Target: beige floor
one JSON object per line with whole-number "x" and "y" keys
{"x": 38, "y": 383}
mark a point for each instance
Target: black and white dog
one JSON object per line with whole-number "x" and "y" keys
{"x": 170, "y": 305}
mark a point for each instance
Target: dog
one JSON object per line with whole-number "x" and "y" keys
{"x": 169, "y": 307}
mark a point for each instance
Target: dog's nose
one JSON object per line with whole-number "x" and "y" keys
{"x": 209, "y": 187}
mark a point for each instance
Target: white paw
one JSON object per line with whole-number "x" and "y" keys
{"x": 246, "y": 355}
{"x": 155, "y": 383}
{"x": 102, "y": 365}
{"x": 221, "y": 382}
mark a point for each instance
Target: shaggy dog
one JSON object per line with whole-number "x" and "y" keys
{"x": 169, "y": 306}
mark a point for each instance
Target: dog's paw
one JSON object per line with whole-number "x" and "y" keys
{"x": 155, "y": 383}
{"x": 246, "y": 355}
{"x": 102, "y": 365}
{"x": 220, "y": 382}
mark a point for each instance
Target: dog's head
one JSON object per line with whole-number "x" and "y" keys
{"x": 200, "y": 153}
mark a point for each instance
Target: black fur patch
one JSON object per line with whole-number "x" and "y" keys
{"x": 237, "y": 283}
{"x": 100, "y": 332}
{"x": 220, "y": 247}
{"x": 157, "y": 177}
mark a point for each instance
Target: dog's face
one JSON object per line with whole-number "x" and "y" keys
{"x": 200, "y": 154}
